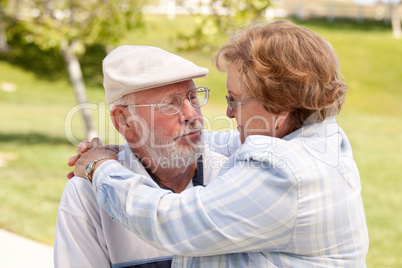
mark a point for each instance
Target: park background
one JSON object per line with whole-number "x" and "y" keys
{"x": 39, "y": 122}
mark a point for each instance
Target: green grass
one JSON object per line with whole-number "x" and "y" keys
{"x": 35, "y": 117}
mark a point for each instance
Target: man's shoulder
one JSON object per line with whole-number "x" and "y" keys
{"x": 78, "y": 196}
{"x": 78, "y": 185}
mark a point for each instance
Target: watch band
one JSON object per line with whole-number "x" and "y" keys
{"x": 89, "y": 169}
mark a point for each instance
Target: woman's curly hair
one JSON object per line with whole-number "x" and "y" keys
{"x": 287, "y": 68}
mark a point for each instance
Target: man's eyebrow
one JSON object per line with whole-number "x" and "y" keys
{"x": 187, "y": 91}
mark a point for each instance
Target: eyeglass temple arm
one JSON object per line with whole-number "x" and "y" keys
{"x": 136, "y": 105}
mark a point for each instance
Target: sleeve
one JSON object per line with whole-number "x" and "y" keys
{"x": 250, "y": 208}
{"x": 225, "y": 143}
{"x": 77, "y": 241}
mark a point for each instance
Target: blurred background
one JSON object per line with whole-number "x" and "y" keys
{"x": 51, "y": 93}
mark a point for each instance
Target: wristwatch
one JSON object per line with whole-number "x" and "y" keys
{"x": 89, "y": 169}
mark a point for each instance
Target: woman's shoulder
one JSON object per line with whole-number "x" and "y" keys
{"x": 312, "y": 145}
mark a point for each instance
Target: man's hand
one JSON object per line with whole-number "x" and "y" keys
{"x": 84, "y": 146}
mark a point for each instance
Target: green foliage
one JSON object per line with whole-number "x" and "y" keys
{"x": 38, "y": 31}
{"x": 49, "y": 64}
{"x": 3, "y": 7}
{"x": 210, "y": 29}
{"x": 58, "y": 23}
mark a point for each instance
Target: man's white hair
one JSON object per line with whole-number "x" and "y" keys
{"x": 125, "y": 100}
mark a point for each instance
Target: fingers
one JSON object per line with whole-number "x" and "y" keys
{"x": 86, "y": 145}
{"x": 70, "y": 175}
{"x": 89, "y": 156}
{"x": 96, "y": 142}
{"x": 71, "y": 162}
{"x": 115, "y": 148}
{"x": 83, "y": 147}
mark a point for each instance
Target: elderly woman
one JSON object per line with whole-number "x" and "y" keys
{"x": 289, "y": 196}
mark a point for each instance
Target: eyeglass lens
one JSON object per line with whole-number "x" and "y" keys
{"x": 230, "y": 102}
{"x": 172, "y": 104}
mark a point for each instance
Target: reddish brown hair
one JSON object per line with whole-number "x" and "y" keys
{"x": 287, "y": 68}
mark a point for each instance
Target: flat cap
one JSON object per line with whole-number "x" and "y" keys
{"x": 129, "y": 69}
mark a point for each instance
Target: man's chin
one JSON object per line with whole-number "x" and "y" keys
{"x": 181, "y": 156}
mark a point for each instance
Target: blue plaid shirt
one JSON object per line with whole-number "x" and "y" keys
{"x": 290, "y": 202}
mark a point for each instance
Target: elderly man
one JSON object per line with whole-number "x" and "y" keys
{"x": 155, "y": 105}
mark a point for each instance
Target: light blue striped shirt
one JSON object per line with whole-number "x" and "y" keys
{"x": 290, "y": 202}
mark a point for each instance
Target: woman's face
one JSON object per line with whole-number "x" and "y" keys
{"x": 250, "y": 114}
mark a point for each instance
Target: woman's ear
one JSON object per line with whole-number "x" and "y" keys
{"x": 281, "y": 119}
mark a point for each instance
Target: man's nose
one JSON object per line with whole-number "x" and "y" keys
{"x": 188, "y": 112}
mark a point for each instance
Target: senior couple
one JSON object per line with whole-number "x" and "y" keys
{"x": 286, "y": 192}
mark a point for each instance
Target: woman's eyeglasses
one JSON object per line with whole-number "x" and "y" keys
{"x": 232, "y": 104}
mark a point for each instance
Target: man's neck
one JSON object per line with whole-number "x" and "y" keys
{"x": 176, "y": 179}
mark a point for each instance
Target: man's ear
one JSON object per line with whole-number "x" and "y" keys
{"x": 119, "y": 118}
{"x": 126, "y": 124}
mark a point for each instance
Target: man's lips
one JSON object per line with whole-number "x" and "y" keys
{"x": 191, "y": 134}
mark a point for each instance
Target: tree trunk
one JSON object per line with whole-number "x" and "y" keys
{"x": 75, "y": 74}
{"x": 396, "y": 22}
{"x": 4, "y": 47}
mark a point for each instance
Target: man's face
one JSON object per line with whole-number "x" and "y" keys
{"x": 173, "y": 140}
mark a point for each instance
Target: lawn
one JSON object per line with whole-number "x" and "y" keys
{"x": 38, "y": 125}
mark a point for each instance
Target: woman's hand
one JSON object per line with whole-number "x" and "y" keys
{"x": 84, "y": 147}
{"x": 91, "y": 155}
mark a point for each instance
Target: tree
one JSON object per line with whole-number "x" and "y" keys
{"x": 73, "y": 25}
{"x": 4, "y": 47}
{"x": 395, "y": 19}
{"x": 225, "y": 15}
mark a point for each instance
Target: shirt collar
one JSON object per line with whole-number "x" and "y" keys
{"x": 197, "y": 180}
{"x": 129, "y": 160}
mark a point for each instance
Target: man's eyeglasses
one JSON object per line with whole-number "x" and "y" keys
{"x": 232, "y": 104}
{"x": 172, "y": 104}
